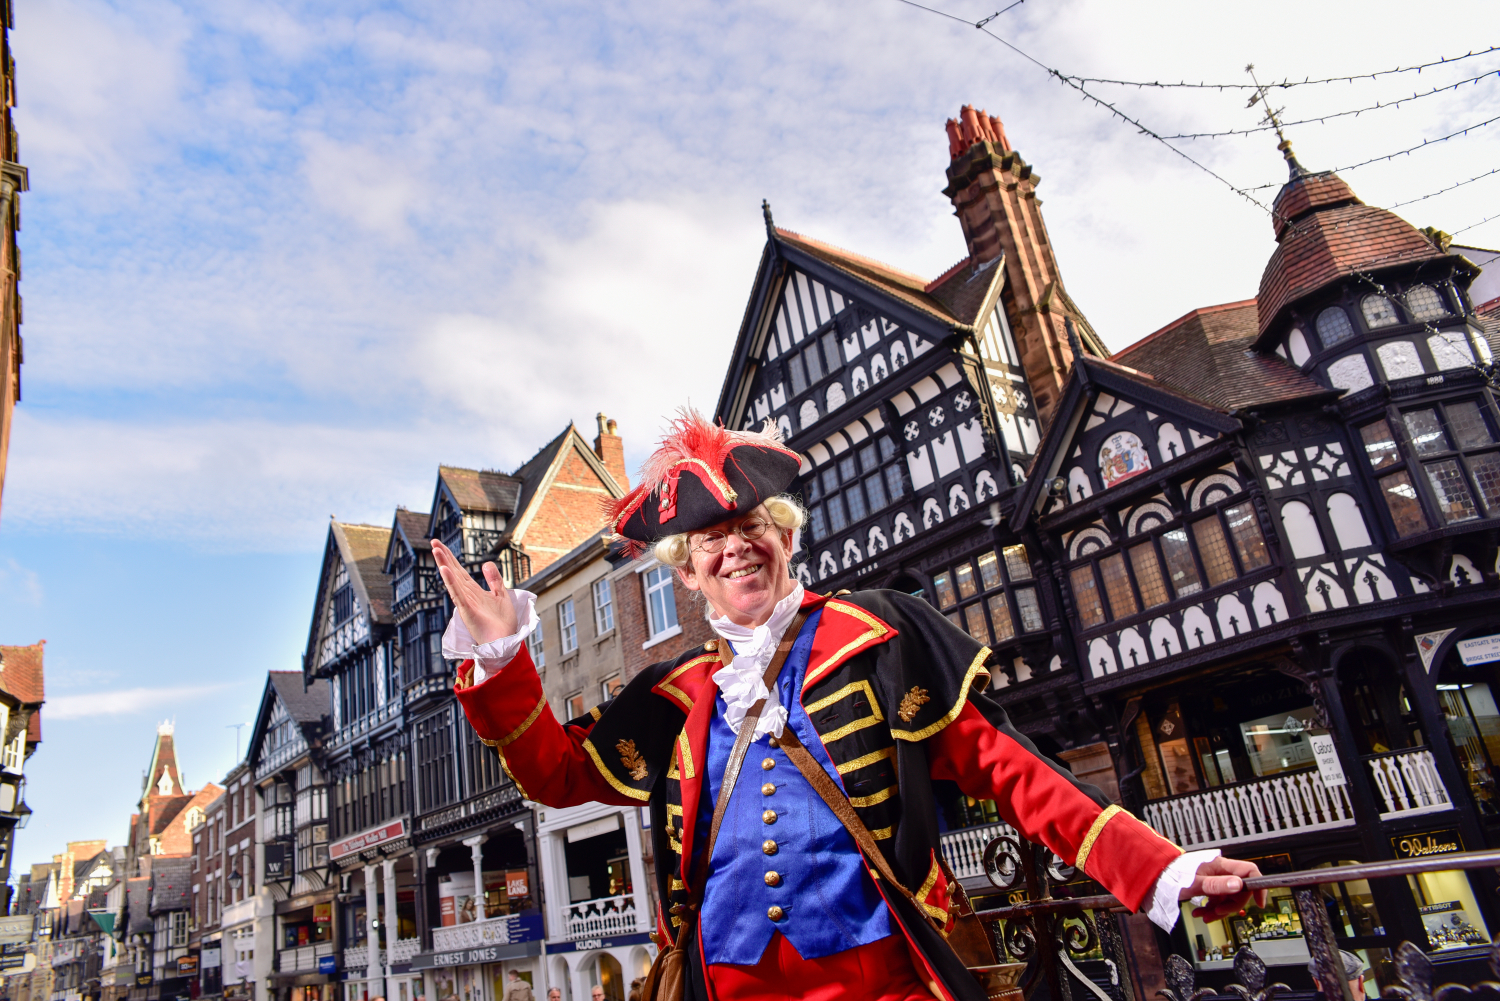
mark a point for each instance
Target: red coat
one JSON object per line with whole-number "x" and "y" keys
{"x": 896, "y": 693}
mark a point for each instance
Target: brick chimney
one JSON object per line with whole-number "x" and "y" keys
{"x": 611, "y": 450}
{"x": 994, "y": 196}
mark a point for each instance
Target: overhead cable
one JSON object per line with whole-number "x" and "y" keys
{"x": 1286, "y": 84}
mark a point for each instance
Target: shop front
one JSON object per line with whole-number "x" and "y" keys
{"x": 478, "y": 974}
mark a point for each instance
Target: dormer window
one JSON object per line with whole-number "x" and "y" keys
{"x": 1379, "y": 312}
{"x": 1456, "y": 460}
{"x": 1334, "y": 326}
{"x": 1425, "y": 303}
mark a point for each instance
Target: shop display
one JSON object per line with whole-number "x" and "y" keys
{"x": 1448, "y": 926}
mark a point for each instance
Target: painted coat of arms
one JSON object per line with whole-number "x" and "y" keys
{"x": 1122, "y": 456}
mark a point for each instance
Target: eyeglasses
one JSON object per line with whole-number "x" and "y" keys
{"x": 713, "y": 542}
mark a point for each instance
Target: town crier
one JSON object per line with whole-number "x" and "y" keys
{"x": 818, "y": 873}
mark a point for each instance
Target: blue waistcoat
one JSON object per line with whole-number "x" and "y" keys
{"x": 828, "y": 900}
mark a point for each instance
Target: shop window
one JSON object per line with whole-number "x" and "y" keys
{"x": 977, "y": 598}
{"x": 1379, "y": 710}
{"x": 1474, "y": 725}
{"x": 1449, "y": 912}
{"x": 1274, "y": 744}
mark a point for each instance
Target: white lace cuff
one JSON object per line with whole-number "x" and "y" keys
{"x": 492, "y": 656}
{"x": 1175, "y": 878}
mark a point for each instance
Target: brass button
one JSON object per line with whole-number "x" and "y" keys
{"x": 769, "y": 816}
{"x": 767, "y": 789}
{"x": 775, "y": 742}
{"x": 773, "y": 879}
{"x": 775, "y": 913}
{"x": 711, "y": 646}
{"x": 768, "y": 764}
{"x": 677, "y": 909}
{"x": 769, "y": 847}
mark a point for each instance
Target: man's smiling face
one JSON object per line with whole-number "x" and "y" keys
{"x": 744, "y": 580}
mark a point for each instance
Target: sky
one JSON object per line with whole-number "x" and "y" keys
{"x": 281, "y": 260}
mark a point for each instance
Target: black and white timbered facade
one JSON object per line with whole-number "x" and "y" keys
{"x": 1241, "y": 574}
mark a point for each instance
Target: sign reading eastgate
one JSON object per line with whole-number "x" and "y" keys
{"x": 367, "y": 839}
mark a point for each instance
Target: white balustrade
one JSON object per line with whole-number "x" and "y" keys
{"x": 405, "y": 950}
{"x": 963, "y": 849}
{"x": 602, "y": 917}
{"x": 1408, "y": 782}
{"x": 303, "y": 959}
{"x": 1251, "y": 811}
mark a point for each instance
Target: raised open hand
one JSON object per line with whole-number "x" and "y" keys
{"x": 1222, "y": 881}
{"x": 487, "y": 614}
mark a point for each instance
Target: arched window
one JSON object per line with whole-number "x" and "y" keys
{"x": 1425, "y": 302}
{"x": 1301, "y": 530}
{"x": 1334, "y": 326}
{"x": 1379, "y": 312}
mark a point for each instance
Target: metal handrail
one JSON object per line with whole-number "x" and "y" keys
{"x": 1306, "y": 877}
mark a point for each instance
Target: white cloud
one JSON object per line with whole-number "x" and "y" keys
{"x": 122, "y": 702}
{"x": 360, "y": 243}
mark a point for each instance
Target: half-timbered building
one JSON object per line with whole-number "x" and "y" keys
{"x": 289, "y": 762}
{"x": 1240, "y": 574}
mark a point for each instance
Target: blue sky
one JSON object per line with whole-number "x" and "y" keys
{"x": 282, "y": 259}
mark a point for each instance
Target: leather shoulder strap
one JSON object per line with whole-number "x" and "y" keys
{"x": 839, "y": 804}
{"x": 737, "y": 754}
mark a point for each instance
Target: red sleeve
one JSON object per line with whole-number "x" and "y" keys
{"x": 1109, "y": 845}
{"x": 549, "y": 762}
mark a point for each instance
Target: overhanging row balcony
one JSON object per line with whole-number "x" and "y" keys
{"x": 602, "y": 917}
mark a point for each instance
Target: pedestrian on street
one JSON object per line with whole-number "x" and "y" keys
{"x": 516, "y": 989}
{"x": 818, "y": 874}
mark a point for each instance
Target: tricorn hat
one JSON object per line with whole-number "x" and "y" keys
{"x": 700, "y": 475}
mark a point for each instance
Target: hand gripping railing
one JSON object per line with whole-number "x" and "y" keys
{"x": 1074, "y": 929}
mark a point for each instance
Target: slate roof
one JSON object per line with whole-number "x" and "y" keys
{"x": 414, "y": 527}
{"x": 21, "y": 671}
{"x": 305, "y": 706}
{"x": 1324, "y": 232}
{"x": 481, "y": 489}
{"x": 1489, "y": 318}
{"x": 530, "y": 473}
{"x": 171, "y": 884}
{"x": 1207, "y": 355}
{"x": 363, "y": 548}
{"x": 138, "y": 902}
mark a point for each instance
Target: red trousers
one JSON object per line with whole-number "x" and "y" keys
{"x": 880, "y": 971}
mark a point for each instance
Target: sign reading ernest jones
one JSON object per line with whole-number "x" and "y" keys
{"x": 1479, "y": 650}
{"x": 367, "y": 839}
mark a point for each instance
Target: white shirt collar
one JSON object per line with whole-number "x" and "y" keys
{"x": 742, "y": 681}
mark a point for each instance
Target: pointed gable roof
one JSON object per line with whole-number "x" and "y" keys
{"x": 1208, "y": 355}
{"x": 21, "y": 672}
{"x": 481, "y": 489}
{"x": 539, "y": 472}
{"x": 1092, "y": 375}
{"x": 903, "y": 286}
{"x": 163, "y": 779}
{"x": 307, "y": 703}
{"x": 362, "y": 548}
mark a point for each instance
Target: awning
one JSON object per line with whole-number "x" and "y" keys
{"x": 105, "y": 920}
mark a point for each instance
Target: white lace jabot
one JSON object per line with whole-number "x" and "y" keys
{"x": 742, "y": 681}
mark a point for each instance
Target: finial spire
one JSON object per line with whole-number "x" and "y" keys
{"x": 1273, "y": 119}
{"x": 765, "y": 210}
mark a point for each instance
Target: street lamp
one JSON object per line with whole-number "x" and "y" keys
{"x": 235, "y": 879}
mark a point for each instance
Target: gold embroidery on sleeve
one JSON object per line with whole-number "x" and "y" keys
{"x": 1095, "y": 829}
{"x": 631, "y": 759}
{"x": 911, "y": 702}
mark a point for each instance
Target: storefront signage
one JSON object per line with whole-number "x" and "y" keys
{"x": 276, "y": 862}
{"x": 1480, "y": 650}
{"x": 16, "y": 929}
{"x": 187, "y": 965}
{"x": 211, "y": 957}
{"x": 1440, "y": 842}
{"x": 328, "y": 964}
{"x": 1328, "y": 759}
{"x": 472, "y": 957}
{"x": 144, "y": 979}
{"x": 594, "y": 828}
{"x": 368, "y": 839}
{"x": 516, "y": 884}
{"x": 588, "y": 944}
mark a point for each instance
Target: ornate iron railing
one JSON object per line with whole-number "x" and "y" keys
{"x": 1077, "y": 928}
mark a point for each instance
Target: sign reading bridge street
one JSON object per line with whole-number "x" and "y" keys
{"x": 1479, "y": 650}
